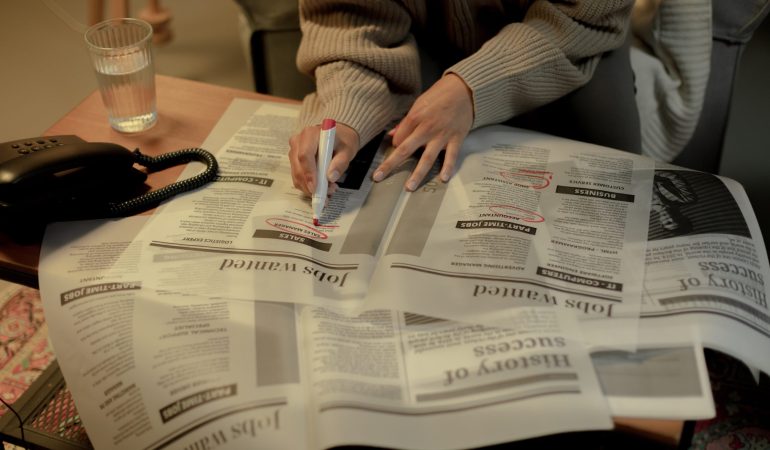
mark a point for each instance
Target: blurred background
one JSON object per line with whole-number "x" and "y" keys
{"x": 47, "y": 72}
{"x": 47, "y": 69}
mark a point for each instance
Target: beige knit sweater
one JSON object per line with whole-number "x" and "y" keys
{"x": 515, "y": 55}
{"x": 671, "y": 58}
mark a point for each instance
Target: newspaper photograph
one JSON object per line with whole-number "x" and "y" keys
{"x": 663, "y": 378}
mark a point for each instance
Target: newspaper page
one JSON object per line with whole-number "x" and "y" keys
{"x": 528, "y": 219}
{"x": 704, "y": 286}
{"x": 389, "y": 379}
{"x": 153, "y": 369}
{"x": 707, "y": 266}
{"x": 249, "y": 235}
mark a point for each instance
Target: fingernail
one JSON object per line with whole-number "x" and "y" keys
{"x": 310, "y": 187}
{"x": 334, "y": 176}
{"x": 393, "y": 131}
{"x": 411, "y": 185}
{"x": 444, "y": 176}
{"x": 378, "y": 176}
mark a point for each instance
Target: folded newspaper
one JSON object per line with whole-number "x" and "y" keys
{"x": 512, "y": 301}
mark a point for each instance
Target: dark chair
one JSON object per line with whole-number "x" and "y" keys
{"x": 734, "y": 23}
{"x": 274, "y": 39}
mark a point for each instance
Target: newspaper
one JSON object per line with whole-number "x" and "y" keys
{"x": 528, "y": 220}
{"x": 707, "y": 266}
{"x": 227, "y": 319}
{"x": 706, "y": 269}
{"x": 153, "y": 369}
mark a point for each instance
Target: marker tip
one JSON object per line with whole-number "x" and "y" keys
{"x": 316, "y": 222}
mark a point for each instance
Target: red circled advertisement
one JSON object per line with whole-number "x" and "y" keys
{"x": 529, "y": 178}
{"x": 514, "y": 212}
{"x": 296, "y": 228}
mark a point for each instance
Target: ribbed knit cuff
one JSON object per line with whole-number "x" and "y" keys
{"x": 506, "y": 75}
{"x": 356, "y": 98}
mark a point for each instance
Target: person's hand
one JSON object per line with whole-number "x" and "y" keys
{"x": 439, "y": 119}
{"x": 303, "y": 147}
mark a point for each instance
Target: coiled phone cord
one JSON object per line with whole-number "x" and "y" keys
{"x": 151, "y": 199}
{"x": 164, "y": 161}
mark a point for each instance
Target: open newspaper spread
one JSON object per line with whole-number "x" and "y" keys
{"x": 527, "y": 220}
{"x": 226, "y": 320}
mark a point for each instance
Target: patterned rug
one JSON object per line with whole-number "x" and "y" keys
{"x": 24, "y": 348}
{"x": 743, "y": 408}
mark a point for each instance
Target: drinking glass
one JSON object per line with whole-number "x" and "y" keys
{"x": 121, "y": 53}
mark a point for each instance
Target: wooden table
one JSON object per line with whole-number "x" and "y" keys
{"x": 188, "y": 111}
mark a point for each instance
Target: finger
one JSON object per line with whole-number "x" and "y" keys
{"x": 450, "y": 159}
{"x": 345, "y": 148}
{"x": 399, "y": 155}
{"x": 429, "y": 156}
{"x": 306, "y": 159}
{"x": 297, "y": 171}
{"x": 404, "y": 129}
{"x": 339, "y": 163}
{"x": 292, "y": 155}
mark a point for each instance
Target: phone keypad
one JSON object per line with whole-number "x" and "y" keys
{"x": 23, "y": 147}
{"x": 35, "y": 146}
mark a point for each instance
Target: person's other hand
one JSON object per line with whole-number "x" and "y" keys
{"x": 303, "y": 147}
{"x": 439, "y": 119}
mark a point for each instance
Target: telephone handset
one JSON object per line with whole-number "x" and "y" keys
{"x": 56, "y": 178}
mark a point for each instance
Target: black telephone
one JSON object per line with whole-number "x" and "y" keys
{"x": 55, "y": 178}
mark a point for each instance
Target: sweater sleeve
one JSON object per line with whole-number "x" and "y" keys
{"x": 364, "y": 60}
{"x": 671, "y": 69}
{"x": 553, "y": 51}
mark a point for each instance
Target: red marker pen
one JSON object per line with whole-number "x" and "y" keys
{"x": 325, "y": 150}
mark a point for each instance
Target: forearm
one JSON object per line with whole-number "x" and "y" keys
{"x": 364, "y": 61}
